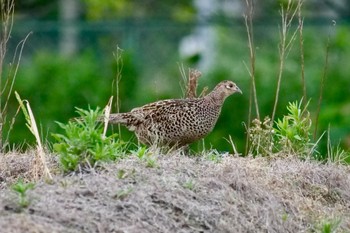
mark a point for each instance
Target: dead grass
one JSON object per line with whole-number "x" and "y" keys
{"x": 184, "y": 194}
{"x": 14, "y": 165}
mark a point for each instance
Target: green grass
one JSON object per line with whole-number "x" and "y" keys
{"x": 21, "y": 189}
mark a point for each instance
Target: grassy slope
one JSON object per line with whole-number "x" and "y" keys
{"x": 182, "y": 194}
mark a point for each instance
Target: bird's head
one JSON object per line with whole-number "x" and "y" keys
{"x": 227, "y": 87}
{"x": 223, "y": 90}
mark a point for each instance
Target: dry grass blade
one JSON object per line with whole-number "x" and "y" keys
{"x": 107, "y": 112}
{"x": 184, "y": 81}
{"x": 301, "y": 45}
{"x": 118, "y": 57}
{"x": 248, "y": 19}
{"x": 230, "y": 141}
{"x": 32, "y": 126}
{"x": 7, "y": 13}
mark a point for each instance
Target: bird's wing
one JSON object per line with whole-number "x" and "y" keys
{"x": 164, "y": 106}
{"x": 165, "y": 111}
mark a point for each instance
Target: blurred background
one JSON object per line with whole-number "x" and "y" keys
{"x": 71, "y": 59}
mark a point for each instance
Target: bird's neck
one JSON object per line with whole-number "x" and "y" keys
{"x": 216, "y": 98}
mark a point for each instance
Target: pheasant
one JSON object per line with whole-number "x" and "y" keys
{"x": 176, "y": 122}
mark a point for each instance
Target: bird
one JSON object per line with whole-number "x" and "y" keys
{"x": 176, "y": 122}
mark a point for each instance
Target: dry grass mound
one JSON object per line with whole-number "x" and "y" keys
{"x": 185, "y": 194}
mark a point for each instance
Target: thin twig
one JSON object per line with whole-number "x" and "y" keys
{"x": 184, "y": 80}
{"x": 323, "y": 81}
{"x": 284, "y": 48}
{"x": 301, "y": 45}
{"x": 248, "y": 19}
{"x": 21, "y": 44}
{"x": 249, "y": 26}
{"x": 7, "y": 14}
{"x": 118, "y": 76}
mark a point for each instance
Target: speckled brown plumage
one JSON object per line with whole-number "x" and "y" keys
{"x": 176, "y": 122}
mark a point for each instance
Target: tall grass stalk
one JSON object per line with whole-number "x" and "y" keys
{"x": 248, "y": 19}
{"x": 230, "y": 141}
{"x": 323, "y": 81}
{"x": 32, "y": 126}
{"x": 6, "y": 83}
{"x": 7, "y": 12}
{"x": 302, "y": 61}
{"x": 184, "y": 79}
{"x": 286, "y": 42}
{"x": 118, "y": 56}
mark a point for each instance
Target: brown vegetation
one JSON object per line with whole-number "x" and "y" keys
{"x": 181, "y": 194}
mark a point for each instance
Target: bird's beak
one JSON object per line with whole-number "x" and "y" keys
{"x": 238, "y": 90}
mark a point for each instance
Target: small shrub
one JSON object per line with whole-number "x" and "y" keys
{"x": 328, "y": 225}
{"x": 291, "y": 134}
{"x": 84, "y": 144}
{"x": 293, "y": 130}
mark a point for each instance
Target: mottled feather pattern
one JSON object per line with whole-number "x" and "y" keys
{"x": 176, "y": 122}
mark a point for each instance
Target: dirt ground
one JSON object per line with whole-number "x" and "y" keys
{"x": 181, "y": 194}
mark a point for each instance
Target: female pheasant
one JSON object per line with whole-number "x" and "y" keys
{"x": 176, "y": 122}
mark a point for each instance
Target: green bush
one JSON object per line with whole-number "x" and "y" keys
{"x": 293, "y": 131}
{"x": 290, "y": 134}
{"x": 83, "y": 144}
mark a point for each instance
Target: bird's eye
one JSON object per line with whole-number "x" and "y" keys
{"x": 230, "y": 86}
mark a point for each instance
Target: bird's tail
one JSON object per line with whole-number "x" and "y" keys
{"x": 126, "y": 119}
{"x": 119, "y": 118}
{"x": 116, "y": 118}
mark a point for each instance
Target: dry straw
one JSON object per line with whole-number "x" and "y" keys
{"x": 31, "y": 124}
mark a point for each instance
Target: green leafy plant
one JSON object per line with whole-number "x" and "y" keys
{"x": 291, "y": 134}
{"x": 213, "y": 155}
{"x": 151, "y": 162}
{"x": 123, "y": 193}
{"x": 189, "y": 184}
{"x": 121, "y": 174}
{"x": 293, "y": 131}
{"x": 141, "y": 152}
{"x": 329, "y": 225}
{"x": 21, "y": 189}
{"x": 147, "y": 155}
{"x": 84, "y": 143}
